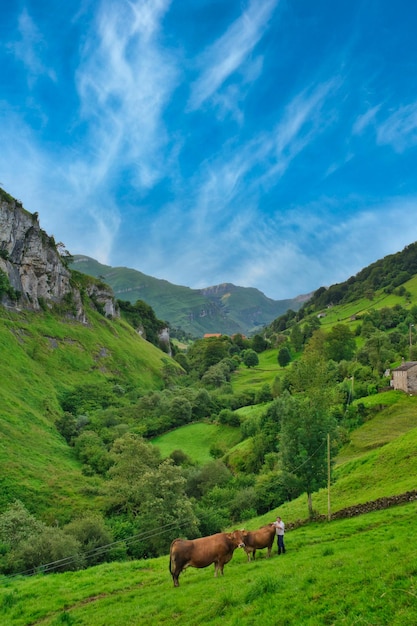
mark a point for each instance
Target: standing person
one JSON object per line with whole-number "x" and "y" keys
{"x": 280, "y": 530}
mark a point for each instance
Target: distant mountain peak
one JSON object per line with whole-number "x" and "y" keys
{"x": 225, "y": 308}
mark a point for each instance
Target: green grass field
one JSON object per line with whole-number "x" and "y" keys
{"x": 361, "y": 570}
{"x": 255, "y": 377}
{"x": 196, "y": 439}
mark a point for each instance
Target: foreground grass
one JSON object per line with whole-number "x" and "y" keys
{"x": 357, "y": 571}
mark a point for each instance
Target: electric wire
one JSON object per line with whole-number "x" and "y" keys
{"x": 59, "y": 563}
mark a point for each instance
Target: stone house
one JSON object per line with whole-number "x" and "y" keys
{"x": 404, "y": 377}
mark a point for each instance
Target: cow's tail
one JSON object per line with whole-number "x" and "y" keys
{"x": 173, "y": 564}
{"x": 170, "y": 560}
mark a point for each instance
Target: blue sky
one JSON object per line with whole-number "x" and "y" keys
{"x": 268, "y": 143}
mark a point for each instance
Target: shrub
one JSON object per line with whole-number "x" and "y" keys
{"x": 93, "y": 537}
{"x": 50, "y": 551}
{"x": 17, "y": 524}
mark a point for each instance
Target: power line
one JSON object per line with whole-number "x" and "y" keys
{"x": 54, "y": 565}
{"x": 310, "y": 457}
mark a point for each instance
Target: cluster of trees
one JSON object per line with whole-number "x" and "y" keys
{"x": 389, "y": 273}
{"x": 148, "y": 500}
{"x": 27, "y": 544}
{"x": 382, "y": 334}
{"x": 142, "y": 317}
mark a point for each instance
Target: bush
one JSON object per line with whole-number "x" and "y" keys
{"x": 50, "y": 551}
{"x": 226, "y": 416}
{"x": 17, "y": 524}
{"x": 93, "y": 537}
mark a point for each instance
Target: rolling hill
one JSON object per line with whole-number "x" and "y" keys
{"x": 225, "y": 308}
{"x": 42, "y": 357}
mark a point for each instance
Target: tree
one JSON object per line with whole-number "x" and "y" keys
{"x": 312, "y": 375}
{"x": 340, "y": 343}
{"x": 150, "y": 494}
{"x": 93, "y": 536}
{"x": 284, "y": 357}
{"x": 91, "y": 451}
{"x": 165, "y": 512}
{"x": 259, "y": 343}
{"x": 132, "y": 457}
{"x": 53, "y": 549}
{"x": 306, "y": 418}
{"x": 214, "y": 377}
{"x": 216, "y": 350}
{"x": 303, "y": 437}
{"x": 17, "y": 524}
{"x": 250, "y": 358}
{"x": 296, "y": 337}
{"x": 180, "y": 411}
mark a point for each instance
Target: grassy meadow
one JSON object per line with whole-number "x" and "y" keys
{"x": 361, "y": 570}
{"x": 357, "y": 571}
{"x": 196, "y": 439}
{"x": 255, "y": 377}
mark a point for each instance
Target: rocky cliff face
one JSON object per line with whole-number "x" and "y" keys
{"x": 36, "y": 271}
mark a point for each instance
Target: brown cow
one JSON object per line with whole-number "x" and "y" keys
{"x": 258, "y": 539}
{"x": 217, "y": 549}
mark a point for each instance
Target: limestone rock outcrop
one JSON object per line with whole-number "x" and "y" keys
{"x": 35, "y": 269}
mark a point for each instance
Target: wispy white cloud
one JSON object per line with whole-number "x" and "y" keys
{"x": 220, "y": 214}
{"x": 266, "y": 157}
{"x": 285, "y": 254}
{"x": 325, "y": 247}
{"x": 400, "y": 129}
{"x": 31, "y": 49}
{"x": 227, "y": 55}
{"x": 124, "y": 82}
{"x": 131, "y": 181}
{"x": 365, "y": 119}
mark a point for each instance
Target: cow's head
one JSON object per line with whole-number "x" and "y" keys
{"x": 238, "y": 539}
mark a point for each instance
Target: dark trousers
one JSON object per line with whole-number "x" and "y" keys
{"x": 281, "y": 546}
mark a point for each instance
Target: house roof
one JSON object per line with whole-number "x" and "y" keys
{"x": 405, "y": 366}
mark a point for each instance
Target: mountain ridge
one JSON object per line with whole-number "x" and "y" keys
{"x": 225, "y": 308}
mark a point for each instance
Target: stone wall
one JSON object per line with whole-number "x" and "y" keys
{"x": 360, "y": 509}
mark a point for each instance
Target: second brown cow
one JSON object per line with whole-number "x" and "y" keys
{"x": 258, "y": 539}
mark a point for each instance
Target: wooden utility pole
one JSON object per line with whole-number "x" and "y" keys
{"x": 329, "y": 515}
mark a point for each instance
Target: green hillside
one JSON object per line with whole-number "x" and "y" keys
{"x": 42, "y": 357}
{"x": 385, "y": 277}
{"x": 223, "y": 309}
{"x": 355, "y": 570}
